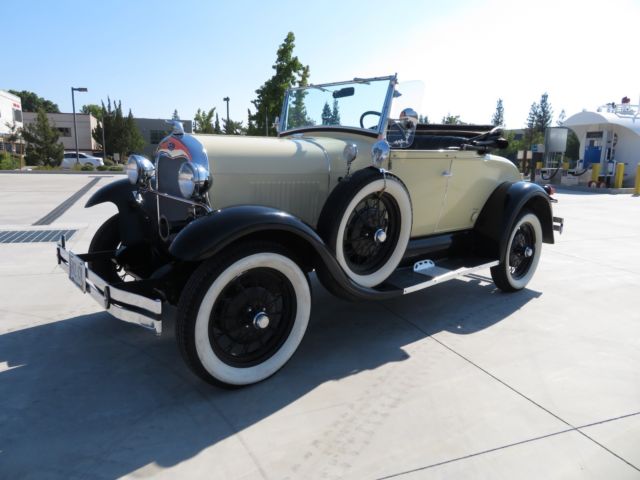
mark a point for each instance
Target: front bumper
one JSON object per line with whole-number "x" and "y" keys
{"x": 120, "y": 301}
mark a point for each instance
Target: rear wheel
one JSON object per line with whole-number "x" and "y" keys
{"x": 521, "y": 256}
{"x": 243, "y": 314}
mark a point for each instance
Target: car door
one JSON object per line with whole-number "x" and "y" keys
{"x": 473, "y": 178}
{"x": 425, "y": 173}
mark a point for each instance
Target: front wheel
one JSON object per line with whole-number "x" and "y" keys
{"x": 242, "y": 316}
{"x": 521, "y": 255}
{"x": 107, "y": 238}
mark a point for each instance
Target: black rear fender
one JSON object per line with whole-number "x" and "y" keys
{"x": 502, "y": 209}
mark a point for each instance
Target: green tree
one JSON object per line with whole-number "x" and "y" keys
{"x": 42, "y": 142}
{"x": 93, "y": 109}
{"x": 174, "y": 115}
{"x": 251, "y": 127}
{"x": 335, "y": 113}
{"x": 298, "y": 113}
{"x": 326, "y": 114}
{"x": 545, "y": 113}
{"x": 498, "y": 116}
{"x": 121, "y": 133}
{"x": 33, "y": 103}
{"x": 561, "y": 118}
{"x": 231, "y": 127}
{"x": 270, "y": 96}
{"x": 449, "y": 119}
{"x": 203, "y": 121}
{"x": 423, "y": 119}
{"x": 216, "y": 126}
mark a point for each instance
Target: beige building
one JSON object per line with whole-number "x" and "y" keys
{"x": 63, "y": 122}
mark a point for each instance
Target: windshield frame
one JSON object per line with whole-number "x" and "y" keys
{"x": 379, "y": 131}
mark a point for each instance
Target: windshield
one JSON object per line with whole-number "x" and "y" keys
{"x": 355, "y": 104}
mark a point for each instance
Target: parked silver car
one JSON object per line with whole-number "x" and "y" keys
{"x": 69, "y": 160}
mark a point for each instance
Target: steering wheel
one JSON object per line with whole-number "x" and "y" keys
{"x": 368, "y": 112}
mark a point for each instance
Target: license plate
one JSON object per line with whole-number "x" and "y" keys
{"x": 77, "y": 272}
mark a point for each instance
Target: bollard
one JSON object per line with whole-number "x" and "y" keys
{"x": 595, "y": 172}
{"x": 637, "y": 189}
{"x": 617, "y": 180}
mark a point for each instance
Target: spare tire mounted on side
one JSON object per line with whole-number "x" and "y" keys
{"x": 367, "y": 223}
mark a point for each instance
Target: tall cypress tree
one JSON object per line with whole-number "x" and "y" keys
{"x": 498, "y": 116}
{"x": 288, "y": 70}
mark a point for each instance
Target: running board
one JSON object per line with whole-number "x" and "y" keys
{"x": 427, "y": 273}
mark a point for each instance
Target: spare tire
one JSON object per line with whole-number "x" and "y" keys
{"x": 367, "y": 223}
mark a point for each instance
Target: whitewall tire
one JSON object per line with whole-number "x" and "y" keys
{"x": 367, "y": 223}
{"x": 243, "y": 317}
{"x": 521, "y": 255}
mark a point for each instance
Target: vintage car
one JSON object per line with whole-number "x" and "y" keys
{"x": 224, "y": 231}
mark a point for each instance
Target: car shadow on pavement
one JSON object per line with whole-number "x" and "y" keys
{"x": 91, "y": 396}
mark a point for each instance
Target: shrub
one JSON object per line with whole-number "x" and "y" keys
{"x": 115, "y": 168}
{"x": 103, "y": 168}
{"x": 8, "y": 162}
{"x": 87, "y": 168}
{"x": 108, "y": 161}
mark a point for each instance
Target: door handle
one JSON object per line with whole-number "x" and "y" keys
{"x": 447, "y": 174}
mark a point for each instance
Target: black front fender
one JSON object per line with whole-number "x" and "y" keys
{"x": 211, "y": 234}
{"x": 119, "y": 192}
{"x": 132, "y": 220}
{"x": 502, "y": 209}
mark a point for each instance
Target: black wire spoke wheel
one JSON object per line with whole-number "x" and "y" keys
{"x": 252, "y": 317}
{"x": 521, "y": 254}
{"x": 371, "y": 233}
{"x": 522, "y": 251}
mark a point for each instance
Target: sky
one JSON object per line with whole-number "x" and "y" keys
{"x": 157, "y": 56}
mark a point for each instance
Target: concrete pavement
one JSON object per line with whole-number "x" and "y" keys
{"x": 458, "y": 381}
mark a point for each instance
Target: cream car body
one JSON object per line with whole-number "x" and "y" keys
{"x": 297, "y": 174}
{"x": 224, "y": 230}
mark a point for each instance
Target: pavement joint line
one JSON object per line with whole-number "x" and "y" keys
{"x": 513, "y": 389}
{"x": 54, "y": 214}
{"x": 515, "y": 444}
{"x": 476, "y": 454}
{"x": 594, "y": 261}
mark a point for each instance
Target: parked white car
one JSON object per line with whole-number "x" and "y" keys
{"x": 69, "y": 160}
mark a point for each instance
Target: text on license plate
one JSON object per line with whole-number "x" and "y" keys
{"x": 77, "y": 272}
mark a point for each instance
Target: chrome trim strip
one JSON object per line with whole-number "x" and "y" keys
{"x": 178, "y": 199}
{"x": 386, "y": 109}
{"x": 450, "y": 275}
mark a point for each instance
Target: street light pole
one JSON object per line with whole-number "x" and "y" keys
{"x": 226, "y": 99}
{"x": 75, "y": 128}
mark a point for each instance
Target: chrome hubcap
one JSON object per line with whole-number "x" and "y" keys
{"x": 380, "y": 236}
{"x": 528, "y": 252}
{"x": 261, "y": 320}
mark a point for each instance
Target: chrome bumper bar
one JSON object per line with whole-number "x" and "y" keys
{"x": 558, "y": 224}
{"x": 127, "y": 306}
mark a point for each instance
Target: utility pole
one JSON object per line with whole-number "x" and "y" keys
{"x": 226, "y": 99}
{"x": 75, "y": 128}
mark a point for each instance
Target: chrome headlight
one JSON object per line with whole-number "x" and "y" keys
{"x": 193, "y": 180}
{"x": 380, "y": 153}
{"x": 140, "y": 170}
